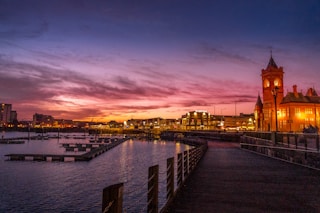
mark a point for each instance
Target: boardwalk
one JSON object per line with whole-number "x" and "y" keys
{"x": 229, "y": 179}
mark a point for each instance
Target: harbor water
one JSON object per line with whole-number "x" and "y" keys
{"x": 32, "y": 186}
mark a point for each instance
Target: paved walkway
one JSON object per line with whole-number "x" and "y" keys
{"x": 229, "y": 179}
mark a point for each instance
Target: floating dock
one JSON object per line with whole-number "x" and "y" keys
{"x": 6, "y": 141}
{"x": 94, "y": 152}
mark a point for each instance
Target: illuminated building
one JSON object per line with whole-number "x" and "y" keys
{"x": 292, "y": 112}
{"x": 197, "y": 120}
{"x": 40, "y": 120}
{"x": 298, "y": 111}
{"x": 242, "y": 122}
{"x": 5, "y": 114}
{"x": 203, "y": 120}
{"x": 152, "y": 123}
{"x": 62, "y": 123}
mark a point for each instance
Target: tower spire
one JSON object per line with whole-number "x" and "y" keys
{"x": 271, "y": 63}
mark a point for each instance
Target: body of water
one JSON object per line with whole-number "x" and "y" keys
{"x": 31, "y": 186}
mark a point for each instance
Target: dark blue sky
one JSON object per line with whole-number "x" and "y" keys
{"x": 121, "y": 59}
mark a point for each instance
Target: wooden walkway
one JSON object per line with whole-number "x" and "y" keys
{"x": 229, "y": 179}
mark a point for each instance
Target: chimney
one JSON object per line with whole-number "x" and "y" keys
{"x": 310, "y": 92}
{"x": 295, "y": 90}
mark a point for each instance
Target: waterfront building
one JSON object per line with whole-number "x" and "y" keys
{"x": 13, "y": 116}
{"x": 62, "y": 123}
{"x": 203, "y": 120}
{"x": 5, "y": 114}
{"x": 243, "y": 122}
{"x": 40, "y": 120}
{"x": 197, "y": 120}
{"x": 293, "y": 112}
{"x": 151, "y": 123}
{"x": 298, "y": 111}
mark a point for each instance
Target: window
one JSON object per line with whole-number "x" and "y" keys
{"x": 297, "y": 111}
{"x": 282, "y": 113}
{"x": 308, "y": 111}
{"x": 283, "y": 124}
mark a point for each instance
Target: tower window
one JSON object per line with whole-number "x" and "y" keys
{"x": 277, "y": 82}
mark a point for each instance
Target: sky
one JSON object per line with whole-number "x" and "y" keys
{"x": 102, "y": 60}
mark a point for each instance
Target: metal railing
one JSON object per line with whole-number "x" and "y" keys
{"x": 302, "y": 149}
{"x": 306, "y": 141}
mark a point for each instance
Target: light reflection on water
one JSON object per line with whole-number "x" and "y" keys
{"x": 28, "y": 186}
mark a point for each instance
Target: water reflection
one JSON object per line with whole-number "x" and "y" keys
{"x": 77, "y": 186}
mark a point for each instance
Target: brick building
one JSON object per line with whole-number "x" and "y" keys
{"x": 293, "y": 112}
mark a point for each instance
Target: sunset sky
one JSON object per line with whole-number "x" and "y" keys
{"x": 121, "y": 59}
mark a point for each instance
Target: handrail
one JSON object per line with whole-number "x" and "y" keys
{"x": 307, "y": 155}
{"x": 297, "y": 141}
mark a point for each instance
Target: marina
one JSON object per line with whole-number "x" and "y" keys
{"x": 92, "y": 151}
{"x": 58, "y": 186}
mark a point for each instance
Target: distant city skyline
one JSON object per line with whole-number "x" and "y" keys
{"x": 117, "y": 60}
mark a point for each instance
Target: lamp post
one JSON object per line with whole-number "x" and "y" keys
{"x": 221, "y": 124}
{"x": 275, "y": 93}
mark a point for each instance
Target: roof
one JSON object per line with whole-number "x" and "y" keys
{"x": 272, "y": 63}
{"x": 259, "y": 102}
{"x": 313, "y": 99}
{"x": 291, "y": 97}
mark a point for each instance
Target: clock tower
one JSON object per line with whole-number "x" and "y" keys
{"x": 272, "y": 85}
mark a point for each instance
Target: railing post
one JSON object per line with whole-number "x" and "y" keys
{"x": 296, "y": 140}
{"x": 153, "y": 188}
{"x": 191, "y": 151}
{"x": 185, "y": 164}
{"x": 197, "y": 155}
{"x": 200, "y": 153}
{"x": 170, "y": 178}
{"x": 317, "y": 141}
{"x": 305, "y": 142}
{"x": 179, "y": 170}
{"x": 112, "y": 198}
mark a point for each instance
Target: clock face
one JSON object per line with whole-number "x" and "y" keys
{"x": 266, "y": 83}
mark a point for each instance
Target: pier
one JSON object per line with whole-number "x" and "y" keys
{"x": 261, "y": 172}
{"x": 93, "y": 150}
{"x": 230, "y": 179}
{"x": 7, "y": 141}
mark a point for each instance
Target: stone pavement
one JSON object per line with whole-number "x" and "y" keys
{"x": 229, "y": 179}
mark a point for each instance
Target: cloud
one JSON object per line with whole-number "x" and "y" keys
{"x": 23, "y": 30}
{"x": 207, "y": 51}
{"x": 50, "y": 89}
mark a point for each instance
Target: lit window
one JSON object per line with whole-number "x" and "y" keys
{"x": 277, "y": 82}
{"x": 308, "y": 111}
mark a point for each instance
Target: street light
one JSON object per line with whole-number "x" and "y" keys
{"x": 275, "y": 93}
{"x": 221, "y": 124}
